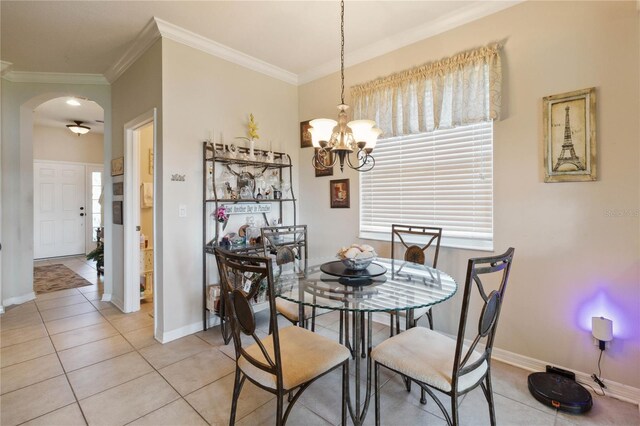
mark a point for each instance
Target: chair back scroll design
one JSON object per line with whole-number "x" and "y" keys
{"x": 489, "y": 315}
{"x": 287, "y": 243}
{"x": 242, "y": 277}
{"x": 414, "y": 253}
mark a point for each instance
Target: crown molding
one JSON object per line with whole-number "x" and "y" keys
{"x": 141, "y": 44}
{"x": 54, "y": 78}
{"x": 5, "y": 67}
{"x": 448, "y": 22}
{"x": 191, "y": 39}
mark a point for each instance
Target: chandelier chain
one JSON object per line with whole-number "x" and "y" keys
{"x": 342, "y": 51}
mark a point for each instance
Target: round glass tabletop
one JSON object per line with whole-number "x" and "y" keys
{"x": 403, "y": 286}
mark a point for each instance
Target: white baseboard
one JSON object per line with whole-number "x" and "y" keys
{"x": 19, "y": 299}
{"x": 106, "y": 297}
{"x": 1, "y": 309}
{"x": 168, "y": 336}
{"x": 614, "y": 389}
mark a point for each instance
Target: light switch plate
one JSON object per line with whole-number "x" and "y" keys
{"x": 182, "y": 210}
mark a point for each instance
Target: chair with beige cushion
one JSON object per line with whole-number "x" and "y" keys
{"x": 289, "y": 244}
{"x": 430, "y": 240}
{"x": 452, "y": 366}
{"x": 285, "y": 362}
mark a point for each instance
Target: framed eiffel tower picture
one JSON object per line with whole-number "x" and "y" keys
{"x": 570, "y": 136}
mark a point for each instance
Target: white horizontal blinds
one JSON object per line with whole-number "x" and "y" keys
{"x": 442, "y": 178}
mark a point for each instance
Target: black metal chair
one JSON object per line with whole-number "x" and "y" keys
{"x": 454, "y": 367}
{"x": 416, "y": 254}
{"x": 285, "y": 362}
{"x": 289, "y": 244}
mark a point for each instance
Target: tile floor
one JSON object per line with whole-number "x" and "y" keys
{"x": 69, "y": 359}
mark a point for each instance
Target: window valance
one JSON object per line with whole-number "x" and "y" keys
{"x": 462, "y": 89}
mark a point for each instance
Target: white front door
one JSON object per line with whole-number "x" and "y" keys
{"x": 59, "y": 209}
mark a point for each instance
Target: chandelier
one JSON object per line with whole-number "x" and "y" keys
{"x": 78, "y": 128}
{"x": 341, "y": 138}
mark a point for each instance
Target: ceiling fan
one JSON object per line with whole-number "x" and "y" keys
{"x": 78, "y": 128}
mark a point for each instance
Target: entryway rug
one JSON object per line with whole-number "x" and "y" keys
{"x": 50, "y": 278}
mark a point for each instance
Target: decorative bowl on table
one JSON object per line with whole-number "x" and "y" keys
{"x": 357, "y": 257}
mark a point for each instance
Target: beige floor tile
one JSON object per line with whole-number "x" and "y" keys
{"x": 300, "y": 415}
{"x": 25, "y": 351}
{"x": 67, "y": 416}
{"x": 213, "y": 402}
{"x": 511, "y": 382}
{"x": 21, "y": 320}
{"x": 57, "y": 294}
{"x": 162, "y": 355}
{"x": 198, "y": 370}
{"x": 605, "y": 411}
{"x": 26, "y": 373}
{"x": 100, "y": 305}
{"x": 324, "y": 396}
{"x": 80, "y": 336}
{"x": 21, "y": 335}
{"x": 67, "y": 311}
{"x": 132, "y": 322}
{"x": 92, "y": 295}
{"x": 141, "y": 338}
{"x": 91, "y": 353}
{"x": 474, "y": 410}
{"x": 112, "y": 312}
{"x": 395, "y": 411}
{"x": 15, "y": 310}
{"x": 213, "y": 336}
{"x": 104, "y": 375}
{"x": 77, "y": 321}
{"x": 90, "y": 288}
{"x": 34, "y": 401}
{"x": 395, "y": 388}
{"x": 175, "y": 413}
{"x": 60, "y": 302}
{"x": 134, "y": 399}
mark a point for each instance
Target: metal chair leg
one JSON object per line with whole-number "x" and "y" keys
{"x": 376, "y": 388}
{"x": 345, "y": 390}
{"x": 237, "y": 387}
{"x": 279, "y": 409}
{"x": 423, "y": 397}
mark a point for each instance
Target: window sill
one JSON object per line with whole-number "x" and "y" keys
{"x": 451, "y": 242}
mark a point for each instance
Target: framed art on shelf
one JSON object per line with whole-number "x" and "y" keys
{"x": 569, "y": 121}
{"x": 305, "y": 136}
{"x": 339, "y": 193}
{"x": 328, "y": 160}
{"x": 117, "y": 166}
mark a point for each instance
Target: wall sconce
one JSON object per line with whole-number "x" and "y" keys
{"x": 602, "y": 329}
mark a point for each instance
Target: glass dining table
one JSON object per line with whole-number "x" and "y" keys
{"x": 387, "y": 285}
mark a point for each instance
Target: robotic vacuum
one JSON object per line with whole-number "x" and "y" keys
{"x": 560, "y": 392}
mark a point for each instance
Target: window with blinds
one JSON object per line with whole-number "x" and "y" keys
{"x": 442, "y": 178}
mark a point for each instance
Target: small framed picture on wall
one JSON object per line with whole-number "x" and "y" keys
{"x": 117, "y": 213}
{"x": 327, "y": 162}
{"x": 339, "y": 193}
{"x": 117, "y": 166}
{"x": 305, "y": 136}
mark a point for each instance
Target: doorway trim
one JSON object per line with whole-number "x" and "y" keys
{"x": 131, "y": 211}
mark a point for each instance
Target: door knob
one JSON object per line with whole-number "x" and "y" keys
{"x": 81, "y": 214}
{"x": 81, "y": 208}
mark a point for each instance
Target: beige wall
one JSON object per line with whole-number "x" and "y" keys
{"x": 203, "y": 93}
{"x": 573, "y": 258}
{"x": 136, "y": 92}
{"x": 59, "y": 144}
